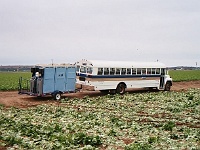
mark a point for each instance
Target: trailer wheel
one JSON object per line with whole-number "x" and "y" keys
{"x": 167, "y": 86}
{"x": 57, "y": 96}
{"x": 121, "y": 88}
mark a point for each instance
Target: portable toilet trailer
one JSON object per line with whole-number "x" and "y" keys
{"x": 51, "y": 80}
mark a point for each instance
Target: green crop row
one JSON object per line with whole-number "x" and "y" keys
{"x": 152, "y": 120}
{"x": 184, "y": 75}
{"x": 10, "y": 80}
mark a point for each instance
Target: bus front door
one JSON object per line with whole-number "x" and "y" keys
{"x": 162, "y": 80}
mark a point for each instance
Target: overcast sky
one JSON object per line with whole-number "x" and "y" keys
{"x": 39, "y": 31}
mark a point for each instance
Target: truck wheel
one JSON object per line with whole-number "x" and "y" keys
{"x": 120, "y": 88}
{"x": 167, "y": 86}
{"x": 57, "y": 96}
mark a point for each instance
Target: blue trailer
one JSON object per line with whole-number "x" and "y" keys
{"x": 50, "y": 80}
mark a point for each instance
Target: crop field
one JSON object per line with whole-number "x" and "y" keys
{"x": 133, "y": 121}
{"x": 9, "y": 80}
{"x": 185, "y": 75}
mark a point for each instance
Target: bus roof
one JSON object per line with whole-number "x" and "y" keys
{"x": 119, "y": 64}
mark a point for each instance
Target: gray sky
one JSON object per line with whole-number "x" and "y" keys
{"x": 37, "y": 31}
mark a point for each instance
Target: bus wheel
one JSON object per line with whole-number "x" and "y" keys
{"x": 167, "y": 86}
{"x": 57, "y": 96}
{"x": 120, "y": 88}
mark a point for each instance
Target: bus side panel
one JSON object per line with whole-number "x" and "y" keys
{"x": 131, "y": 84}
{"x": 48, "y": 82}
{"x": 70, "y": 79}
{"x": 143, "y": 83}
{"x": 102, "y": 84}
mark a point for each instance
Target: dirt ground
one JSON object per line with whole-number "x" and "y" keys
{"x": 13, "y": 99}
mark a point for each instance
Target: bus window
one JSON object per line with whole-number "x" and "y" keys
{"x": 134, "y": 70}
{"x": 106, "y": 71}
{"x": 153, "y": 71}
{"x": 139, "y": 70}
{"x": 112, "y": 71}
{"x": 83, "y": 69}
{"x": 143, "y": 70}
{"x": 123, "y": 71}
{"x": 163, "y": 71}
{"x": 118, "y": 70}
{"x": 148, "y": 70}
{"x": 100, "y": 71}
{"x": 78, "y": 68}
{"x": 158, "y": 71}
{"x": 89, "y": 70}
{"x": 128, "y": 71}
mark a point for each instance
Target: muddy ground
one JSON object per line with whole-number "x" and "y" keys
{"x": 13, "y": 99}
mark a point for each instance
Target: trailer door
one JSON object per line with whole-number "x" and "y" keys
{"x": 48, "y": 82}
{"x": 71, "y": 79}
{"x": 60, "y": 79}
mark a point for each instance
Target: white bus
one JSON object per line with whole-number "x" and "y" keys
{"x": 117, "y": 76}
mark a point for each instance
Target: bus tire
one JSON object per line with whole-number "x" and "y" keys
{"x": 121, "y": 88}
{"x": 167, "y": 86}
{"x": 57, "y": 96}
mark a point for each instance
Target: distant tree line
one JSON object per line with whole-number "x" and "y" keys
{"x": 183, "y": 68}
{"x": 15, "y": 68}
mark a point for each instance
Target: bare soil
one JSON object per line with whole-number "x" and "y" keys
{"x": 13, "y": 99}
